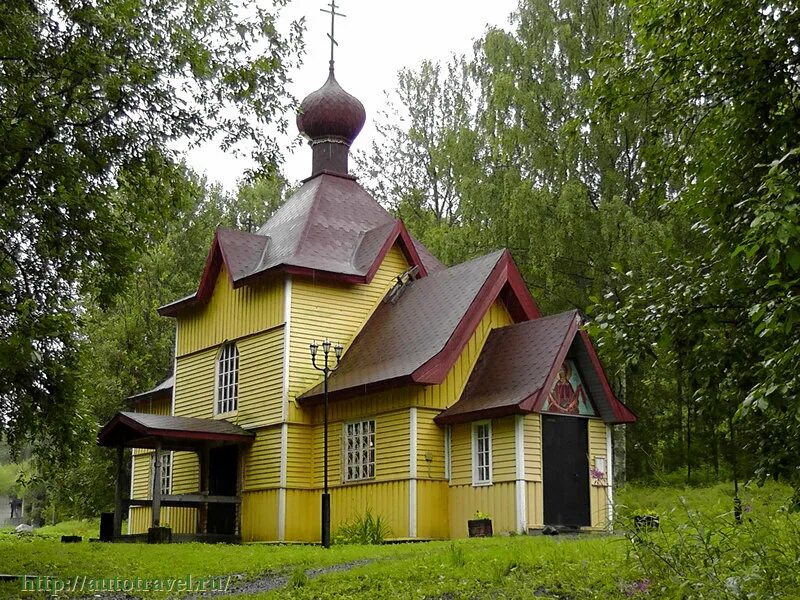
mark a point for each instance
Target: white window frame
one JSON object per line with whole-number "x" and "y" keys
{"x": 354, "y": 467}
{"x": 481, "y": 474}
{"x": 166, "y": 472}
{"x": 226, "y": 380}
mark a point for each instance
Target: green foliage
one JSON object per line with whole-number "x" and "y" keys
{"x": 298, "y": 578}
{"x": 456, "y": 555}
{"x": 720, "y": 313}
{"x": 364, "y": 529}
{"x": 9, "y": 479}
{"x": 92, "y": 98}
{"x": 708, "y": 556}
{"x": 696, "y": 553}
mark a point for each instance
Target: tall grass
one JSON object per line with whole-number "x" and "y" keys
{"x": 365, "y": 529}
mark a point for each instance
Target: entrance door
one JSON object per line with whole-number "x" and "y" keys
{"x": 222, "y": 481}
{"x": 565, "y": 458}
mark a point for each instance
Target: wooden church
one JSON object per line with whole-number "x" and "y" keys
{"x": 453, "y": 393}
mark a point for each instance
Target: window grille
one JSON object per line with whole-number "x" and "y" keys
{"x": 166, "y": 472}
{"x": 482, "y": 453}
{"x": 227, "y": 379}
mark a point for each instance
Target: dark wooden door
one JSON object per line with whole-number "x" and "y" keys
{"x": 222, "y": 481}
{"x": 565, "y": 465}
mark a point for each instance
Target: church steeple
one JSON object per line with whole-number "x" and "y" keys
{"x": 330, "y": 118}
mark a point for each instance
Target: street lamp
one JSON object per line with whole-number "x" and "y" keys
{"x": 326, "y": 371}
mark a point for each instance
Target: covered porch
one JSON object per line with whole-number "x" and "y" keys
{"x": 216, "y": 443}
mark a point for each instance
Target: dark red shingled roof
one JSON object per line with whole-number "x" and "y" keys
{"x": 419, "y": 337}
{"x": 518, "y": 366}
{"x": 330, "y": 228}
{"x": 161, "y": 390}
{"x": 143, "y": 430}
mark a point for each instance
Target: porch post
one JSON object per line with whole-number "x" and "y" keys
{"x": 203, "y": 456}
{"x": 156, "y": 507}
{"x": 118, "y": 493}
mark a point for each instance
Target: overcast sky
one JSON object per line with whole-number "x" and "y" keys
{"x": 376, "y": 39}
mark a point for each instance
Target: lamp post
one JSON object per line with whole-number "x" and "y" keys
{"x": 326, "y": 369}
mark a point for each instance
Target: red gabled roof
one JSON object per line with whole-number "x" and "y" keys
{"x": 419, "y": 337}
{"x": 144, "y": 430}
{"x": 331, "y": 228}
{"x": 518, "y": 367}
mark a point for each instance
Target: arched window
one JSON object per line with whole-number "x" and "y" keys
{"x": 227, "y": 379}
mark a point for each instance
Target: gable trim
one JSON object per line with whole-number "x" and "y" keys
{"x": 622, "y": 413}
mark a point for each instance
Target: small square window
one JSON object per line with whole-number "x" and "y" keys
{"x": 359, "y": 454}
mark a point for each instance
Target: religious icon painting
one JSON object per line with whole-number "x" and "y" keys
{"x": 568, "y": 395}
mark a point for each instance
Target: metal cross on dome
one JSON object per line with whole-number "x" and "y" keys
{"x": 332, "y": 11}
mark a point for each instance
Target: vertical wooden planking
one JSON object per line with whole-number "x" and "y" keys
{"x": 433, "y": 509}
{"x": 598, "y": 497}
{"x": 535, "y": 502}
{"x": 497, "y": 500}
{"x": 260, "y": 515}
{"x": 303, "y": 515}
{"x": 388, "y": 500}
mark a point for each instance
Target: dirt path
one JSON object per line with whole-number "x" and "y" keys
{"x": 239, "y": 586}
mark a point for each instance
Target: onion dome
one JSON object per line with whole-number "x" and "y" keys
{"x": 331, "y": 115}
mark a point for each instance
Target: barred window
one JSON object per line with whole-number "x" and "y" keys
{"x": 359, "y": 450}
{"x": 481, "y": 453}
{"x": 227, "y": 379}
{"x": 166, "y": 473}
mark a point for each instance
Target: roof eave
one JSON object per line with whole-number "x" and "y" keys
{"x": 315, "y": 397}
{"x": 494, "y": 412}
{"x": 622, "y": 414}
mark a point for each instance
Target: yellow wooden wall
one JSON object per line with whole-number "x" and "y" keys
{"x": 260, "y": 381}
{"x": 259, "y": 515}
{"x": 231, "y": 313}
{"x": 392, "y": 445}
{"x": 262, "y": 460}
{"x": 498, "y": 499}
{"x": 194, "y": 384}
{"x": 321, "y": 309}
{"x": 430, "y": 446}
{"x": 184, "y": 480}
{"x": 598, "y": 494}
{"x": 534, "y": 498}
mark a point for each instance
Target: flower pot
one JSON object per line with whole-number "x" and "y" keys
{"x": 480, "y": 527}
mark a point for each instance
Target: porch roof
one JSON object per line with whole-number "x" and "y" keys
{"x": 144, "y": 430}
{"x": 518, "y": 366}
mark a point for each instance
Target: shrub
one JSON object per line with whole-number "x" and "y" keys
{"x": 366, "y": 529}
{"x": 696, "y": 555}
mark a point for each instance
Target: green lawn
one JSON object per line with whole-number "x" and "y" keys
{"x": 697, "y": 553}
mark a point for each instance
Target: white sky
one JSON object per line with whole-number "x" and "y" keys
{"x": 376, "y": 39}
